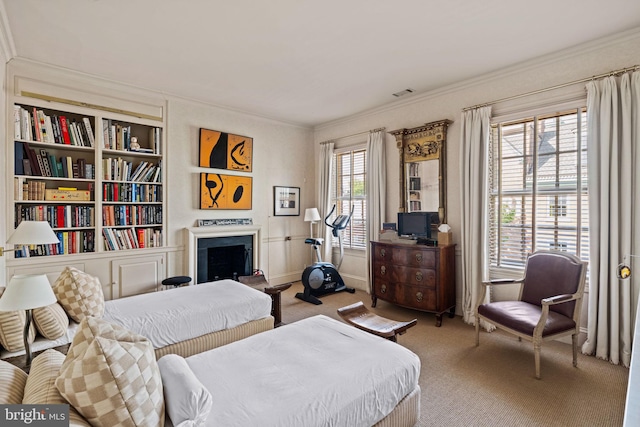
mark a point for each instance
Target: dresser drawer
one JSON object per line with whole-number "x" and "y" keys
{"x": 420, "y": 258}
{"x": 417, "y": 297}
{"x": 385, "y": 290}
{"x": 414, "y": 276}
{"x": 382, "y": 254}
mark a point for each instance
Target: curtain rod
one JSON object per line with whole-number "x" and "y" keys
{"x": 353, "y": 134}
{"x": 535, "y": 92}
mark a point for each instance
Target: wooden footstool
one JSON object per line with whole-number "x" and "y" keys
{"x": 359, "y": 316}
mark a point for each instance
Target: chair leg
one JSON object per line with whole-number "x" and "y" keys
{"x": 574, "y": 340}
{"x": 536, "y": 352}
{"x": 477, "y": 331}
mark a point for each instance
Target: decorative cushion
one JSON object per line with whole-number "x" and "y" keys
{"x": 188, "y": 402}
{"x": 12, "y": 382}
{"x": 51, "y": 321}
{"x": 79, "y": 293}
{"x": 40, "y": 386}
{"x": 111, "y": 377}
{"x": 12, "y": 329}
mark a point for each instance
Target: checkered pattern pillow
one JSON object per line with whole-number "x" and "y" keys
{"x": 12, "y": 329}
{"x": 51, "y": 321}
{"x": 112, "y": 378}
{"x": 79, "y": 293}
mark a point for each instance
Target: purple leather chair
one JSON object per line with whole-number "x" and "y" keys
{"x": 549, "y": 303}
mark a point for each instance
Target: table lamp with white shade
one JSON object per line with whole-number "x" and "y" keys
{"x": 311, "y": 215}
{"x": 26, "y": 292}
{"x": 31, "y": 233}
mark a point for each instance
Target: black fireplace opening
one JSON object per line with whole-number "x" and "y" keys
{"x": 224, "y": 258}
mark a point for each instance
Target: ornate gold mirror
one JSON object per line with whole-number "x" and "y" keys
{"x": 423, "y": 168}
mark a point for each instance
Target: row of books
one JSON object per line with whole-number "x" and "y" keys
{"x": 59, "y": 216}
{"x": 71, "y": 242}
{"x": 28, "y": 190}
{"x": 129, "y": 238}
{"x": 39, "y": 162}
{"x": 123, "y": 215}
{"x": 122, "y": 170}
{"x": 32, "y": 124}
{"x": 118, "y": 136}
{"x": 131, "y": 192}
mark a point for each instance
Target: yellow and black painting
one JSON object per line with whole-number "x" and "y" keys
{"x": 219, "y": 191}
{"x": 223, "y": 150}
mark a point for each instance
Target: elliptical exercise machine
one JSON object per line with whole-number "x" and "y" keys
{"x": 321, "y": 277}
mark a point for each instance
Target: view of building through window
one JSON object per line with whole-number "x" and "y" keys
{"x": 349, "y": 191}
{"x": 538, "y": 187}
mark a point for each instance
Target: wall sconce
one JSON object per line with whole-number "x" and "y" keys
{"x": 31, "y": 233}
{"x": 26, "y": 292}
{"x": 311, "y": 215}
{"x": 624, "y": 269}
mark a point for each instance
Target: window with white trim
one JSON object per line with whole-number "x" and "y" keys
{"x": 349, "y": 191}
{"x": 538, "y": 187}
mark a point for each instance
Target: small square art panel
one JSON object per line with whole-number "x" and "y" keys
{"x": 221, "y": 150}
{"x": 219, "y": 191}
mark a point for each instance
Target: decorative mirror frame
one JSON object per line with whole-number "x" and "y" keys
{"x": 427, "y": 142}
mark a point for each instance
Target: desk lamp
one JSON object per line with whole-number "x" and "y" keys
{"x": 311, "y": 215}
{"x": 26, "y": 292}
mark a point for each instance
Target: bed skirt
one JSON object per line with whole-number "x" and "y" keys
{"x": 216, "y": 339}
{"x": 405, "y": 414}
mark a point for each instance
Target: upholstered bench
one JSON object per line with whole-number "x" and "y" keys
{"x": 359, "y": 316}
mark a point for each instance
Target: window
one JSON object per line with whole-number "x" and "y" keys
{"x": 538, "y": 191}
{"x": 349, "y": 191}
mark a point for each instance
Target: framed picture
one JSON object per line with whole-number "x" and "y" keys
{"x": 286, "y": 201}
{"x": 221, "y": 150}
{"x": 219, "y": 191}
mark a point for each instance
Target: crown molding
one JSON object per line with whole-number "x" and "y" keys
{"x": 551, "y": 58}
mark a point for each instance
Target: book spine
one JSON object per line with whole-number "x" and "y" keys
{"x": 65, "y": 130}
{"x": 87, "y": 124}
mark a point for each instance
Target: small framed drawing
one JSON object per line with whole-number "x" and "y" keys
{"x": 286, "y": 201}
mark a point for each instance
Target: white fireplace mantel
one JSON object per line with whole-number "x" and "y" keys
{"x": 195, "y": 233}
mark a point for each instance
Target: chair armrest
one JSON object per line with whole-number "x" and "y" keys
{"x": 502, "y": 282}
{"x": 276, "y": 289}
{"x": 558, "y": 299}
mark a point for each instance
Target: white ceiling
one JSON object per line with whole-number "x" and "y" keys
{"x": 302, "y": 61}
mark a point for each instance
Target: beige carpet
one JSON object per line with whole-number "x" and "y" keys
{"x": 493, "y": 384}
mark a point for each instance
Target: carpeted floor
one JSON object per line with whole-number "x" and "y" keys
{"x": 493, "y": 384}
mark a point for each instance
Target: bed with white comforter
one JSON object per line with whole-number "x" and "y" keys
{"x": 183, "y": 320}
{"x": 314, "y": 372}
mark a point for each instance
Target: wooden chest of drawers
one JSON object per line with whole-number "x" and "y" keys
{"x": 415, "y": 276}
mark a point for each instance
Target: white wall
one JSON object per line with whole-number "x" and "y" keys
{"x": 584, "y": 61}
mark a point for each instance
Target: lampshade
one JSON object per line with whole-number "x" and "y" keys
{"x": 311, "y": 214}
{"x": 25, "y": 292}
{"x": 33, "y": 233}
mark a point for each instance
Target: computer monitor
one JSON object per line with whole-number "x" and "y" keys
{"x": 415, "y": 224}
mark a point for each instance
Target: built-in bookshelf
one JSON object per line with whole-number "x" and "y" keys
{"x": 96, "y": 178}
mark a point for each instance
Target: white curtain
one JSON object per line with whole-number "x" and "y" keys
{"x": 474, "y": 148}
{"x": 614, "y": 213}
{"x": 376, "y": 190}
{"x": 324, "y": 196}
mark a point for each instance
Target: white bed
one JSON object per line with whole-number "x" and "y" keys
{"x": 314, "y": 372}
{"x": 171, "y": 318}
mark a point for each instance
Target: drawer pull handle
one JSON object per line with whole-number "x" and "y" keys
{"x": 383, "y": 289}
{"x": 383, "y": 252}
{"x": 383, "y": 270}
{"x": 419, "y": 276}
{"x": 419, "y": 296}
{"x": 419, "y": 257}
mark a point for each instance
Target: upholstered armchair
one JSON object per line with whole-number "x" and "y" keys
{"x": 549, "y": 303}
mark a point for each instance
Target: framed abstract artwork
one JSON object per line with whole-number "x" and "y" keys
{"x": 221, "y": 150}
{"x": 218, "y": 191}
{"x": 286, "y": 201}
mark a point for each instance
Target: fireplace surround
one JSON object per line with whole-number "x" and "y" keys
{"x": 206, "y": 244}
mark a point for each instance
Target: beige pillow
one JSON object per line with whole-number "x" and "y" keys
{"x": 12, "y": 329}
{"x": 79, "y": 293}
{"x": 112, "y": 377}
{"x": 12, "y": 382}
{"x": 51, "y": 321}
{"x": 40, "y": 387}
